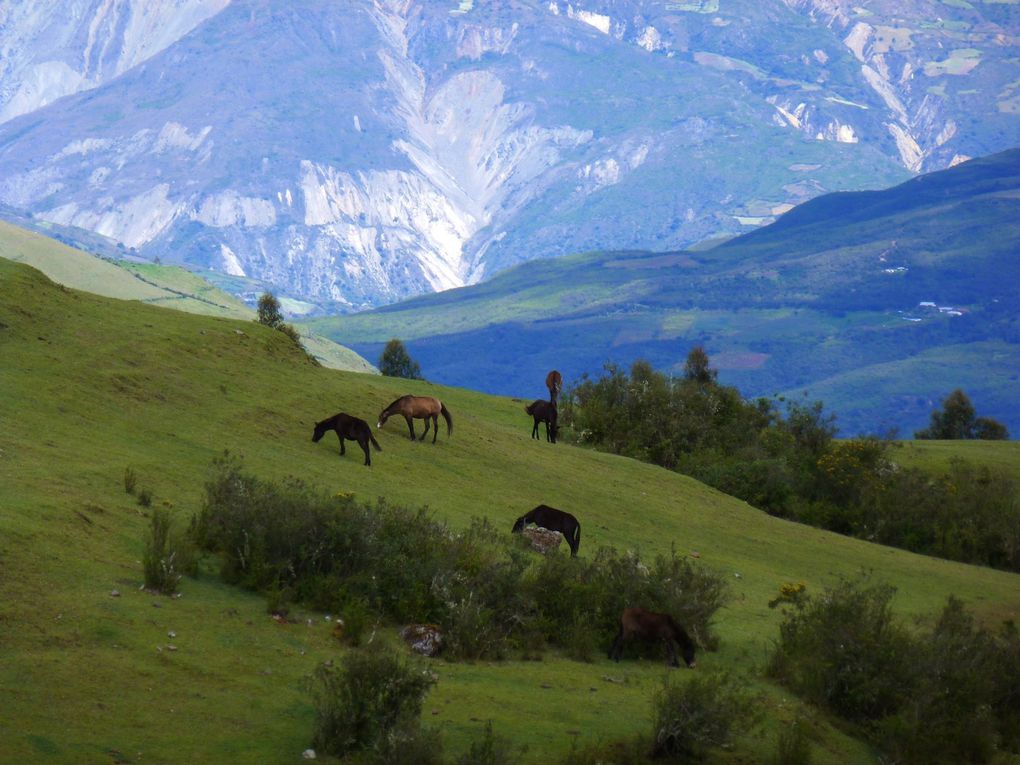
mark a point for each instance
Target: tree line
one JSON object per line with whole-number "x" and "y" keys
{"x": 781, "y": 456}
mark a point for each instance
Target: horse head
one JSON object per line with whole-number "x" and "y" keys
{"x": 518, "y": 525}
{"x": 320, "y": 430}
{"x": 383, "y": 416}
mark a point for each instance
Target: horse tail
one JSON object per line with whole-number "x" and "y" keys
{"x": 446, "y": 416}
{"x": 374, "y": 442}
{"x": 577, "y": 537}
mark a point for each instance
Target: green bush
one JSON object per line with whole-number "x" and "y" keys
{"x": 947, "y": 694}
{"x": 954, "y": 708}
{"x": 167, "y": 556}
{"x": 491, "y": 749}
{"x": 699, "y": 713}
{"x": 370, "y": 703}
{"x": 842, "y": 650}
{"x": 792, "y": 746}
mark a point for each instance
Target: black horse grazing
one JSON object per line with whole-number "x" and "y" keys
{"x": 554, "y": 382}
{"x": 349, "y": 427}
{"x": 637, "y": 623}
{"x": 554, "y": 520}
{"x": 543, "y": 411}
{"x": 420, "y": 407}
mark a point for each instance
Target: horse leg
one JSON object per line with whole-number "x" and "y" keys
{"x": 534, "y": 430}
{"x": 617, "y": 650}
{"x": 410, "y": 425}
{"x": 426, "y": 431}
{"x": 364, "y": 445}
{"x": 435, "y": 427}
{"x": 343, "y": 449}
{"x": 671, "y": 653}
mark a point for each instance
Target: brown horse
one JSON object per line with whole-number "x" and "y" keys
{"x": 421, "y": 408}
{"x": 649, "y": 626}
{"x": 554, "y": 520}
{"x": 349, "y": 427}
{"x": 543, "y": 411}
{"x": 554, "y": 382}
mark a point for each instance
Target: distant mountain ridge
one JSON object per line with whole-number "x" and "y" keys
{"x": 353, "y": 155}
{"x": 877, "y": 303}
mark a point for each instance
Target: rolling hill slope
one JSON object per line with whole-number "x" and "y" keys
{"x": 167, "y": 286}
{"x": 91, "y": 386}
{"x": 914, "y": 287}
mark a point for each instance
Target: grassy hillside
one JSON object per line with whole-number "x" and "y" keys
{"x": 167, "y": 286}
{"x": 90, "y": 387}
{"x": 912, "y": 286}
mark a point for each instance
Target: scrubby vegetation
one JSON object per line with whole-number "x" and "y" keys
{"x": 782, "y": 456}
{"x": 168, "y": 554}
{"x": 943, "y": 694}
{"x": 369, "y": 707}
{"x": 489, "y": 593}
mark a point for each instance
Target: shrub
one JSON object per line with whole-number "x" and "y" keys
{"x": 949, "y": 717}
{"x": 145, "y": 497}
{"x": 697, "y": 714}
{"x": 792, "y": 746}
{"x": 167, "y": 556}
{"x": 841, "y": 650}
{"x": 489, "y": 750}
{"x": 370, "y": 703}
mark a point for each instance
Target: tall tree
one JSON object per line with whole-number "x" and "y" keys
{"x": 395, "y": 361}
{"x": 696, "y": 367}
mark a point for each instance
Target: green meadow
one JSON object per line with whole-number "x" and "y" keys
{"x": 93, "y": 669}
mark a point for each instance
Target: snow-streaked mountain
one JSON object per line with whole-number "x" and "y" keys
{"x": 53, "y": 49}
{"x": 355, "y": 153}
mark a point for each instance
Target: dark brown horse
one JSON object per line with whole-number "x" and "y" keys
{"x": 554, "y": 382}
{"x": 543, "y": 411}
{"x": 421, "y": 408}
{"x": 554, "y": 520}
{"x": 348, "y": 427}
{"x": 649, "y": 626}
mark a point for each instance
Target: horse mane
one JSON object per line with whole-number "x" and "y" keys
{"x": 396, "y": 401}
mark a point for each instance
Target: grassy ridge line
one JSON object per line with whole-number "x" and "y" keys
{"x": 90, "y": 386}
{"x": 166, "y": 286}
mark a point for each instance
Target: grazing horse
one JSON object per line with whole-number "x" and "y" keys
{"x": 349, "y": 427}
{"x": 649, "y": 626}
{"x": 422, "y": 408}
{"x": 543, "y": 411}
{"x": 554, "y": 520}
{"x": 554, "y": 382}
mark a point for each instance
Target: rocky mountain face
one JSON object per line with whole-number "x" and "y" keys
{"x": 354, "y": 154}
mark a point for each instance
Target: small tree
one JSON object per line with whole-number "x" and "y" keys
{"x": 396, "y": 362}
{"x": 270, "y": 312}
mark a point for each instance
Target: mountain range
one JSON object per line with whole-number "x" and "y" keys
{"x": 351, "y": 155}
{"x": 877, "y": 303}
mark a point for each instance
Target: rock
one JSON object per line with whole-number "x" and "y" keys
{"x": 114, "y": 593}
{"x": 541, "y": 539}
{"x": 694, "y": 554}
{"x": 171, "y": 634}
{"x": 308, "y": 754}
{"x": 426, "y": 639}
